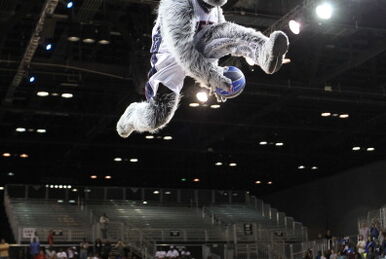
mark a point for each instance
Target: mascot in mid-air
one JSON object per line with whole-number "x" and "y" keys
{"x": 188, "y": 39}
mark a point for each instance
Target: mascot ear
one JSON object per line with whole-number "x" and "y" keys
{"x": 216, "y": 2}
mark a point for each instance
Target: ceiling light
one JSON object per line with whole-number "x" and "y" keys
{"x": 74, "y": 190}
{"x": 215, "y": 106}
{"x": 168, "y": 192}
{"x": 11, "y": 174}
{"x": 156, "y": 192}
{"x": 279, "y": 144}
{"x": 93, "y": 177}
{"x": 60, "y": 201}
{"x": 1, "y": 188}
{"x": 41, "y": 131}
{"x": 104, "y": 35}
{"x": 60, "y": 186}
{"x": 56, "y": 186}
{"x": 194, "y": 104}
{"x": 270, "y": 182}
{"x": 31, "y": 79}
{"x": 20, "y": 129}
{"x": 232, "y": 164}
{"x": 108, "y": 177}
{"x": 370, "y": 149}
{"x": 144, "y": 202}
{"x": 218, "y": 163}
{"x": 149, "y": 137}
{"x": 74, "y": 32}
{"x": 48, "y": 46}
{"x": 294, "y": 26}
{"x": 258, "y": 182}
{"x": 183, "y": 179}
{"x": 168, "y": 138}
{"x": 70, "y": 4}
{"x": 301, "y": 167}
{"x": 196, "y": 180}
{"x": 51, "y": 186}
{"x": 69, "y": 186}
{"x": 324, "y": 11}
{"x": 117, "y": 159}
{"x": 202, "y": 96}
{"x": 314, "y": 168}
{"x": 6, "y": 154}
{"x": 263, "y": 143}
{"x": 356, "y": 148}
{"x": 42, "y": 93}
{"x": 71, "y": 201}
{"x": 326, "y": 114}
{"x": 88, "y": 33}
{"x": 24, "y": 155}
{"x": 134, "y": 160}
{"x": 67, "y": 95}
{"x": 87, "y": 190}
{"x": 344, "y": 116}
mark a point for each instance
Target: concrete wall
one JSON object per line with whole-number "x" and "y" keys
{"x": 335, "y": 202}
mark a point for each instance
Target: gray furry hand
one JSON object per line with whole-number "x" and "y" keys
{"x": 217, "y": 80}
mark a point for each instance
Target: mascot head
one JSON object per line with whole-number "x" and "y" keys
{"x": 216, "y": 2}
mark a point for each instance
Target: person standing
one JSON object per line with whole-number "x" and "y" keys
{"x": 98, "y": 247}
{"x": 50, "y": 238}
{"x": 4, "y": 249}
{"x": 106, "y": 250}
{"x": 104, "y": 222}
{"x": 361, "y": 245}
{"x": 83, "y": 252}
{"x": 120, "y": 246}
{"x": 34, "y": 247}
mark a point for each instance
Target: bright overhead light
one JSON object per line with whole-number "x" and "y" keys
{"x": 149, "y": 137}
{"x": 11, "y": 174}
{"x": 42, "y": 93}
{"x": 202, "y": 96}
{"x": 168, "y": 192}
{"x": 279, "y": 144}
{"x": 301, "y": 167}
{"x": 183, "y": 179}
{"x": 156, "y": 192}
{"x": 108, "y": 177}
{"x": 144, "y": 202}
{"x": 314, "y": 168}
{"x": 196, "y": 180}
{"x": 344, "y": 116}
{"x": 326, "y": 114}
{"x": 6, "y": 154}
{"x": 258, "y": 182}
{"x": 232, "y": 164}
{"x": 56, "y": 186}
{"x": 194, "y": 104}
{"x": 70, "y": 4}
{"x": 215, "y": 106}
{"x": 133, "y": 160}
{"x": 24, "y": 155}
{"x": 1, "y": 188}
{"x": 31, "y": 79}
{"x": 356, "y": 148}
{"x": 74, "y": 190}
{"x": 48, "y": 46}
{"x": 60, "y": 186}
{"x": 370, "y": 149}
{"x": 324, "y": 11}
{"x": 71, "y": 201}
{"x": 294, "y": 26}
{"x": 21, "y": 129}
{"x": 41, "y": 131}
{"x": 69, "y": 186}
{"x": 218, "y": 163}
{"x": 117, "y": 159}
{"x": 93, "y": 177}
{"x": 168, "y": 138}
{"x": 51, "y": 186}
{"x": 67, "y": 95}
{"x": 263, "y": 143}
{"x": 60, "y": 201}
{"x": 270, "y": 182}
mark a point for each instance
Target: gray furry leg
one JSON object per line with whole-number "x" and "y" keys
{"x": 149, "y": 116}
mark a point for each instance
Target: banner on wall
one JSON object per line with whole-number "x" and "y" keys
{"x": 29, "y": 232}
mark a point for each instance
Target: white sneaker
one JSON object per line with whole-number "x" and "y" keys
{"x": 271, "y": 54}
{"x": 125, "y": 124}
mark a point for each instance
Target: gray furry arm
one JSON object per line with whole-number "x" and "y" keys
{"x": 178, "y": 30}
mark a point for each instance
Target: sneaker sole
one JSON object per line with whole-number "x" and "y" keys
{"x": 280, "y": 47}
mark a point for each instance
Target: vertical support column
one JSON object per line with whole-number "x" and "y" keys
{"x": 124, "y": 193}
{"x": 161, "y": 196}
{"x": 26, "y": 191}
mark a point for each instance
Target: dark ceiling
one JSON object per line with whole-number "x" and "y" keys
{"x": 338, "y": 66}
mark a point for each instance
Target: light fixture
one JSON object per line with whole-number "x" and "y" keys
{"x": 74, "y": 190}
{"x": 270, "y": 182}
{"x": 55, "y": 186}
{"x": 87, "y": 190}
{"x": 156, "y": 192}
{"x": 279, "y": 144}
{"x": 21, "y": 129}
{"x": 258, "y": 182}
{"x": 356, "y": 148}
{"x": 263, "y": 143}
{"x": 42, "y": 93}
{"x": 194, "y": 104}
{"x": 344, "y": 116}
{"x": 51, "y": 186}
{"x": 326, "y": 114}
{"x": 60, "y": 186}
{"x": 11, "y": 174}
{"x": 67, "y": 95}
{"x": 218, "y": 163}
{"x": 183, "y": 179}
{"x": 1, "y": 188}
{"x": 133, "y": 160}
{"x": 168, "y": 192}
{"x": 314, "y": 168}
{"x": 324, "y": 11}
{"x": 70, "y": 4}
{"x": 202, "y": 96}
{"x": 301, "y": 167}
{"x": 6, "y": 154}
{"x": 48, "y": 46}
{"x": 232, "y": 164}
{"x": 32, "y": 79}
{"x": 196, "y": 180}
{"x": 149, "y": 137}
{"x": 74, "y": 32}
{"x": 69, "y": 186}
{"x": 41, "y": 131}
{"x": 108, "y": 177}
{"x": 294, "y": 26}
{"x": 144, "y": 202}
{"x": 71, "y": 201}
{"x": 60, "y": 201}
{"x": 215, "y": 106}
{"x": 117, "y": 159}
{"x": 24, "y": 155}
{"x": 54, "y": 94}
{"x": 93, "y": 177}
{"x": 88, "y": 33}
{"x": 370, "y": 149}
{"x": 104, "y": 35}
{"x": 168, "y": 138}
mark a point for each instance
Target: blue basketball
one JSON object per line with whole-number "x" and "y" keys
{"x": 238, "y": 82}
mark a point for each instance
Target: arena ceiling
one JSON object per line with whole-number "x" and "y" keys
{"x": 338, "y": 67}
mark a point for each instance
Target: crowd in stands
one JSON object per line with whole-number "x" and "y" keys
{"x": 174, "y": 253}
{"x": 369, "y": 244}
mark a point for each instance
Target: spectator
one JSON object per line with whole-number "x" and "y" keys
{"x": 50, "y": 253}
{"x": 361, "y": 245}
{"x": 319, "y": 255}
{"x": 370, "y": 248}
{"x": 340, "y": 255}
{"x": 374, "y": 232}
{"x": 121, "y": 247}
{"x": 104, "y": 222}
{"x": 61, "y": 254}
{"x": 4, "y": 249}
{"x": 308, "y": 254}
{"x": 34, "y": 247}
{"x": 364, "y": 230}
{"x": 328, "y": 236}
{"x": 50, "y": 238}
{"x": 70, "y": 253}
{"x": 83, "y": 252}
{"x": 333, "y": 255}
{"x": 106, "y": 249}
{"x": 383, "y": 244}
{"x": 98, "y": 246}
{"x": 41, "y": 255}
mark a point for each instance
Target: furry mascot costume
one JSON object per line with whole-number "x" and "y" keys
{"x": 189, "y": 38}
